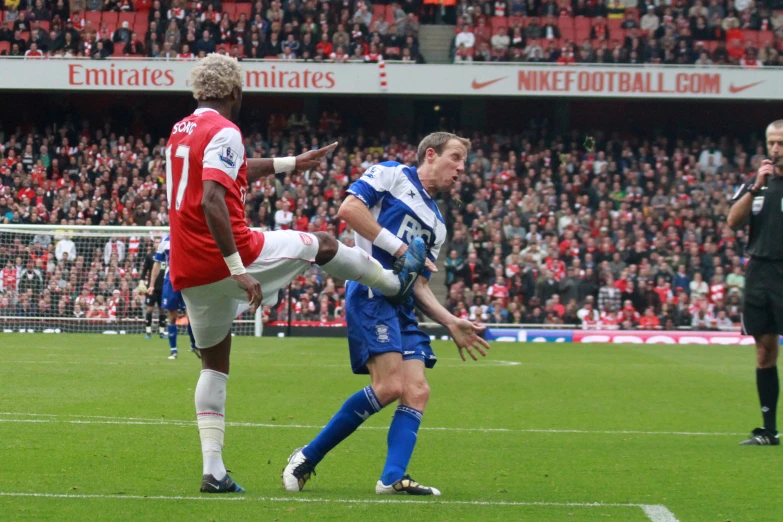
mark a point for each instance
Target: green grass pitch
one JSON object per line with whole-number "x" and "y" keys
{"x": 102, "y": 427}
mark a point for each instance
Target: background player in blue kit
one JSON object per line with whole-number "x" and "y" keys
{"x": 171, "y": 300}
{"x": 389, "y": 206}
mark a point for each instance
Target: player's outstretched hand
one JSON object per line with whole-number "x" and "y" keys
{"x": 312, "y": 158}
{"x": 250, "y": 285}
{"x": 466, "y": 337}
{"x": 429, "y": 265}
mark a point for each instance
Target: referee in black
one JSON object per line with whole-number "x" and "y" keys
{"x": 760, "y": 203}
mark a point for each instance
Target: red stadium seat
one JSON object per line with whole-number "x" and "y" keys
{"x": 44, "y": 25}
{"x": 5, "y": 47}
{"x": 581, "y": 33}
{"x": 565, "y": 22}
{"x": 529, "y": 20}
{"x": 581, "y": 22}
{"x": 118, "y": 50}
{"x": 568, "y": 32}
{"x": 765, "y": 36}
{"x": 26, "y": 36}
{"x": 127, "y": 17}
{"x": 247, "y": 9}
{"x": 514, "y": 19}
{"x": 634, "y": 11}
{"x": 2, "y": 15}
{"x": 110, "y": 17}
{"x": 498, "y": 21}
{"x": 94, "y": 17}
{"x": 378, "y": 12}
{"x": 615, "y": 26}
{"x": 231, "y": 9}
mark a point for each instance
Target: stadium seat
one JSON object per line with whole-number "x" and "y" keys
{"x": 529, "y": 20}
{"x": 231, "y": 11}
{"x": 581, "y": 33}
{"x": 378, "y": 13}
{"x": 127, "y": 17}
{"x": 26, "y": 36}
{"x": 247, "y": 9}
{"x": 44, "y": 25}
{"x": 110, "y": 17}
{"x": 615, "y": 26}
{"x": 2, "y": 15}
{"x": 581, "y": 22}
{"x": 634, "y": 11}
{"x": 765, "y": 36}
{"x": 5, "y": 47}
{"x": 118, "y": 50}
{"x": 512, "y": 20}
{"x": 498, "y": 21}
{"x": 94, "y": 17}
{"x": 567, "y": 31}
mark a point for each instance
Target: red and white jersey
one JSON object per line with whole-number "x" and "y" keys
{"x": 133, "y": 245}
{"x": 717, "y": 293}
{"x": 10, "y": 277}
{"x": 205, "y": 146}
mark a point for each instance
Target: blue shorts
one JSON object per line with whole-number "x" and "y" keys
{"x": 376, "y": 326}
{"x": 171, "y": 299}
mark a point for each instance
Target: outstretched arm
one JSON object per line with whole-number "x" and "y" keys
{"x": 465, "y": 333}
{"x": 261, "y": 167}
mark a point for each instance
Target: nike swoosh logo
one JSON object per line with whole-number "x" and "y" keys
{"x": 735, "y": 90}
{"x": 213, "y": 485}
{"x": 364, "y": 416}
{"x": 480, "y": 85}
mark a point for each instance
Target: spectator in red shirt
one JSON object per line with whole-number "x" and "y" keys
{"x": 649, "y": 321}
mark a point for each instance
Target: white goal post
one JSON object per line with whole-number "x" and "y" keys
{"x": 63, "y": 278}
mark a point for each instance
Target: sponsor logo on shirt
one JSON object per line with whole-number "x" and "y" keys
{"x": 228, "y": 157}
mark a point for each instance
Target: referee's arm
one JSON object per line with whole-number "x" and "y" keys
{"x": 743, "y": 199}
{"x": 740, "y": 209}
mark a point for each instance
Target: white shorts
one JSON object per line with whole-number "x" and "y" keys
{"x": 212, "y": 308}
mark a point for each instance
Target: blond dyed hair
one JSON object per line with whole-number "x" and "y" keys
{"x": 437, "y": 141}
{"x": 215, "y": 77}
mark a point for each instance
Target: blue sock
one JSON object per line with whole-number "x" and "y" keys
{"x": 401, "y": 441}
{"x": 351, "y": 415}
{"x": 173, "y": 337}
{"x": 192, "y": 339}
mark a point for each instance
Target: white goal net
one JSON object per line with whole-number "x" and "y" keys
{"x": 84, "y": 279}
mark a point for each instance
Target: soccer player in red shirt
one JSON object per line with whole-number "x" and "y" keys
{"x": 219, "y": 264}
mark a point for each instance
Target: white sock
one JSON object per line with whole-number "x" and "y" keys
{"x": 354, "y": 264}
{"x": 210, "y": 412}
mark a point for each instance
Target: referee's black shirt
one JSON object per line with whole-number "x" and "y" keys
{"x": 765, "y": 237}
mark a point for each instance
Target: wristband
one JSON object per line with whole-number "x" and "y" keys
{"x": 286, "y": 164}
{"x": 234, "y": 263}
{"x": 388, "y": 242}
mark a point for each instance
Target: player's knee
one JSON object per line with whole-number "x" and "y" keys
{"x": 766, "y": 356}
{"x": 388, "y": 390}
{"x": 327, "y": 247}
{"x": 416, "y": 394}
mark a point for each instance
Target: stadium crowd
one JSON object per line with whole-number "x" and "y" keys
{"x": 178, "y": 30}
{"x": 701, "y": 32}
{"x": 544, "y": 229}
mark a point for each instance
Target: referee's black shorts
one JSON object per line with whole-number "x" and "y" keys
{"x": 155, "y": 298}
{"x": 762, "y": 309}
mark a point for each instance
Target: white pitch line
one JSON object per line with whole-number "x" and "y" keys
{"x": 656, "y": 513}
{"x": 100, "y": 419}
